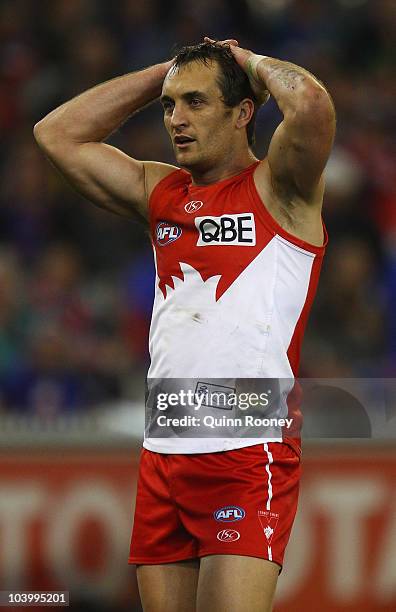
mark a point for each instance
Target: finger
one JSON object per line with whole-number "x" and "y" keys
{"x": 235, "y": 50}
{"x": 229, "y": 41}
{"x": 239, "y": 52}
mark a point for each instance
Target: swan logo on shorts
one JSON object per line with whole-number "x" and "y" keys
{"x": 167, "y": 232}
{"x": 268, "y": 521}
{"x": 228, "y": 535}
{"x": 226, "y": 230}
{"x": 193, "y": 206}
{"x": 229, "y": 514}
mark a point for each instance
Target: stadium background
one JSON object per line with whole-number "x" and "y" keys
{"x": 76, "y": 288}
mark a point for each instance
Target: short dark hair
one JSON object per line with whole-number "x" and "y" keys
{"x": 233, "y": 81}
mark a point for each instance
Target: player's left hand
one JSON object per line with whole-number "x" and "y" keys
{"x": 242, "y": 57}
{"x": 229, "y": 41}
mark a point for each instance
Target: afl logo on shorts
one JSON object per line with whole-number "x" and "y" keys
{"x": 193, "y": 206}
{"x": 228, "y": 535}
{"x": 229, "y": 514}
{"x": 167, "y": 232}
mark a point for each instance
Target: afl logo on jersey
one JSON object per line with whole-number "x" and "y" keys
{"x": 167, "y": 232}
{"x": 193, "y": 206}
{"x": 226, "y": 230}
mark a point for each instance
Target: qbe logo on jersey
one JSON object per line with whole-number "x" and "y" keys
{"x": 226, "y": 230}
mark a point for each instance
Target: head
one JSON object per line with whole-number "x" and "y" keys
{"x": 207, "y": 98}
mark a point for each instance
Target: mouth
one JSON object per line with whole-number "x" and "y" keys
{"x": 182, "y": 142}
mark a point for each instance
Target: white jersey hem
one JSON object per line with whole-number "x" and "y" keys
{"x": 212, "y": 445}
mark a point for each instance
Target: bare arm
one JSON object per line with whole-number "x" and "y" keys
{"x": 72, "y": 137}
{"x": 301, "y": 144}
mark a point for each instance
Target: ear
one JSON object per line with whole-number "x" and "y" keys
{"x": 245, "y": 112}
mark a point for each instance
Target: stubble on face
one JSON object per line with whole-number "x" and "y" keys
{"x": 209, "y": 123}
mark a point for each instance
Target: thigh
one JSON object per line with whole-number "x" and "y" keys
{"x": 233, "y": 583}
{"x": 169, "y": 587}
{"x": 240, "y": 502}
{"x": 158, "y": 536}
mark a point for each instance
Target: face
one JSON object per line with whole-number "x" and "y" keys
{"x": 200, "y": 126}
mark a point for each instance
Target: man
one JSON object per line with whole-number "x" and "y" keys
{"x": 238, "y": 245}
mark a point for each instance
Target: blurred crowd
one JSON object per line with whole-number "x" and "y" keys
{"x": 76, "y": 283}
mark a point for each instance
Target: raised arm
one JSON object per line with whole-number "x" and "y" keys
{"x": 301, "y": 144}
{"x": 72, "y": 136}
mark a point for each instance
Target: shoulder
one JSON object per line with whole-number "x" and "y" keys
{"x": 157, "y": 172}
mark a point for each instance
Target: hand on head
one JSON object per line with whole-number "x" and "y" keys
{"x": 241, "y": 57}
{"x": 229, "y": 41}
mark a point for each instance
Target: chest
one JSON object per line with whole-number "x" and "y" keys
{"x": 217, "y": 233}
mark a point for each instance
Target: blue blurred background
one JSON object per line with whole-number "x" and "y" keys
{"x": 76, "y": 289}
{"x": 76, "y": 283}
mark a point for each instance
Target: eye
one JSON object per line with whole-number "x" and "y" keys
{"x": 195, "y": 102}
{"x": 167, "y": 106}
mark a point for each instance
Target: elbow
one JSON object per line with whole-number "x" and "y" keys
{"x": 38, "y": 131}
{"x": 45, "y": 136}
{"x": 318, "y": 103}
{"x": 313, "y": 109}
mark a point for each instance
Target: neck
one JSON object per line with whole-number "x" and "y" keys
{"x": 223, "y": 170}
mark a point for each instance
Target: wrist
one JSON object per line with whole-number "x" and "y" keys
{"x": 166, "y": 66}
{"x": 252, "y": 63}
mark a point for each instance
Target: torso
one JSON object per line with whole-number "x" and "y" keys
{"x": 233, "y": 287}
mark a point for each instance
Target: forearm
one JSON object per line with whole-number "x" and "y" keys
{"x": 291, "y": 86}
{"x": 95, "y": 114}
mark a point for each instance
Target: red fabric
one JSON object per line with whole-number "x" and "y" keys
{"x": 236, "y": 194}
{"x": 178, "y": 495}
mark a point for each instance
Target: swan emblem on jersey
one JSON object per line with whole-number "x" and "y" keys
{"x": 167, "y": 232}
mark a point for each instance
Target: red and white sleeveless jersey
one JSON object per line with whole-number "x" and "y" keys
{"x": 233, "y": 290}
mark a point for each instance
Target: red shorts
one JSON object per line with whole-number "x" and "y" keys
{"x": 238, "y": 502}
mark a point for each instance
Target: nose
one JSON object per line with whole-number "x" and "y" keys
{"x": 179, "y": 117}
